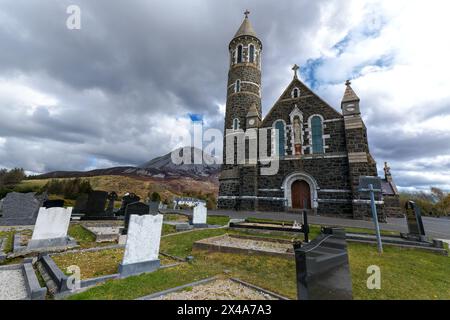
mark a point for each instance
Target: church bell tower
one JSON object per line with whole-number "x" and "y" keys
{"x": 243, "y": 111}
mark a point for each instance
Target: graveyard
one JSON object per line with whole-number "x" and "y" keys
{"x": 143, "y": 250}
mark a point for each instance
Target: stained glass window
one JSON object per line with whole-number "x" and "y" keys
{"x": 317, "y": 134}
{"x": 280, "y": 139}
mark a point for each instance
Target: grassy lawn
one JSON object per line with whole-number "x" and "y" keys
{"x": 168, "y": 229}
{"x": 218, "y": 220}
{"x": 96, "y": 263}
{"x": 84, "y": 238}
{"x": 405, "y": 273}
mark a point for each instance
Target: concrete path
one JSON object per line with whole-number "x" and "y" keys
{"x": 434, "y": 227}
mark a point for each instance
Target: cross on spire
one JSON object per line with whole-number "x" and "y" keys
{"x": 295, "y": 68}
{"x": 348, "y": 82}
{"x": 246, "y": 13}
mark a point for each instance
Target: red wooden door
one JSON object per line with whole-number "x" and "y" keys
{"x": 300, "y": 191}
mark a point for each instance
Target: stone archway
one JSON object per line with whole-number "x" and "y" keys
{"x": 300, "y": 178}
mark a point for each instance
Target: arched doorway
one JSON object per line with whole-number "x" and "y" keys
{"x": 300, "y": 192}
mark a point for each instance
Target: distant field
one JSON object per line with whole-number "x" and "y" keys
{"x": 167, "y": 188}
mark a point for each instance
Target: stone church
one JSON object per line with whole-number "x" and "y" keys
{"x": 322, "y": 152}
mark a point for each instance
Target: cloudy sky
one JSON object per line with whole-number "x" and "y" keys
{"x": 120, "y": 90}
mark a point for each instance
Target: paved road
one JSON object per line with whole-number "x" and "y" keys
{"x": 434, "y": 227}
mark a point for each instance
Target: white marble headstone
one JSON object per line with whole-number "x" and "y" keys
{"x": 144, "y": 236}
{"x": 52, "y": 223}
{"x": 200, "y": 214}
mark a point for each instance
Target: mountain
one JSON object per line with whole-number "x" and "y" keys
{"x": 160, "y": 168}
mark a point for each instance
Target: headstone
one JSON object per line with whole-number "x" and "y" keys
{"x": 51, "y": 228}
{"x": 200, "y": 215}
{"x": 154, "y": 207}
{"x": 416, "y": 231}
{"x": 20, "y": 209}
{"x": 96, "y": 203}
{"x": 137, "y": 208}
{"x": 126, "y": 200}
{"x": 322, "y": 267}
{"x": 81, "y": 204}
{"x": 53, "y": 204}
{"x": 112, "y": 197}
{"x": 142, "y": 246}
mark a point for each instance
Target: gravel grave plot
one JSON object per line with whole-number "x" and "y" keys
{"x": 12, "y": 285}
{"x": 251, "y": 244}
{"x": 104, "y": 230}
{"x": 218, "y": 290}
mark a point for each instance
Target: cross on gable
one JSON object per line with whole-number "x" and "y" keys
{"x": 295, "y": 68}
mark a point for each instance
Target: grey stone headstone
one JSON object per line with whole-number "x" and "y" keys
{"x": 20, "y": 209}
{"x": 136, "y": 208}
{"x": 154, "y": 207}
{"x": 323, "y": 271}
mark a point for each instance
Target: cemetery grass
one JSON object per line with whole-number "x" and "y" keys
{"x": 94, "y": 264}
{"x": 406, "y": 273}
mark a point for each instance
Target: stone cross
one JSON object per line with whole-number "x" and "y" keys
{"x": 295, "y": 68}
{"x": 246, "y": 13}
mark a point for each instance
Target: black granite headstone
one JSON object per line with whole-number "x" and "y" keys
{"x": 112, "y": 197}
{"x": 59, "y": 203}
{"x": 126, "y": 200}
{"x": 323, "y": 271}
{"x": 81, "y": 204}
{"x": 414, "y": 220}
{"x": 136, "y": 208}
{"x": 96, "y": 203}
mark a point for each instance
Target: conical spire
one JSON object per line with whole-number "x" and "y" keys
{"x": 349, "y": 94}
{"x": 246, "y": 28}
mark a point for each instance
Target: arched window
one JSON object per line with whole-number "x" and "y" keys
{"x": 295, "y": 93}
{"x": 280, "y": 138}
{"x": 252, "y": 54}
{"x": 237, "y": 87}
{"x": 317, "y": 134}
{"x": 236, "y": 124}
{"x": 239, "y": 54}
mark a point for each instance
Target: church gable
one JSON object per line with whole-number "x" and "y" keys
{"x": 309, "y": 103}
{"x": 306, "y": 124}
